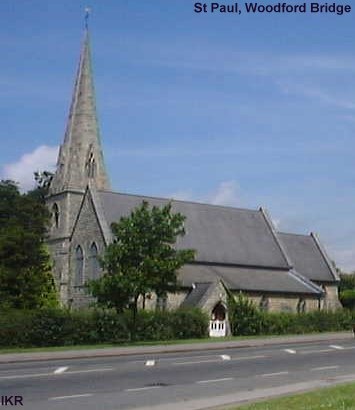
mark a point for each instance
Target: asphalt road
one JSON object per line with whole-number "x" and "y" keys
{"x": 200, "y": 378}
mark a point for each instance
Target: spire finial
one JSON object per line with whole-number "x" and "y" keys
{"x": 87, "y": 14}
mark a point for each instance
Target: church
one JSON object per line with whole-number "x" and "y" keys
{"x": 237, "y": 250}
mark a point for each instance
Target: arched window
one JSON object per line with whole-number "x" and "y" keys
{"x": 79, "y": 266}
{"x": 94, "y": 262}
{"x": 301, "y": 306}
{"x": 162, "y": 302}
{"x": 264, "y": 304}
{"x": 55, "y": 215}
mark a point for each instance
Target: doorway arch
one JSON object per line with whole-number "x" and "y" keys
{"x": 218, "y": 320}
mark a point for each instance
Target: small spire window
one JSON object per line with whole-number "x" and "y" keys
{"x": 91, "y": 166}
{"x": 55, "y": 215}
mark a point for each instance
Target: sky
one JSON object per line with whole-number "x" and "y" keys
{"x": 245, "y": 110}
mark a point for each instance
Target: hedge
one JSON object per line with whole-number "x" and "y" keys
{"x": 58, "y": 327}
{"x": 264, "y": 323}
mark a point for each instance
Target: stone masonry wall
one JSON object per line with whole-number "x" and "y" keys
{"x": 284, "y": 303}
{"x": 331, "y": 301}
{"x": 87, "y": 232}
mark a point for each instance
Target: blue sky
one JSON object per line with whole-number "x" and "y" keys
{"x": 244, "y": 110}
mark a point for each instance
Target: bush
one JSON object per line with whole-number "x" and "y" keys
{"x": 59, "y": 327}
{"x": 245, "y": 318}
{"x": 15, "y": 326}
{"x": 292, "y": 323}
{"x": 347, "y": 298}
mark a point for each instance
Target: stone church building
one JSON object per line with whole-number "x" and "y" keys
{"x": 237, "y": 249}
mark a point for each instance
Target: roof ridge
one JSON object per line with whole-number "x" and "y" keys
{"x": 178, "y": 200}
{"x": 294, "y": 234}
{"x": 325, "y": 256}
{"x": 307, "y": 282}
{"x": 277, "y": 240}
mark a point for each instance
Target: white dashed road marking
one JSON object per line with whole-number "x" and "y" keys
{"x": 316, "y": 351}
{"x": 215, "y": 380}
{"x": 106, "y": 369}
{"x": 30, "y": 375}
{"x": 219, "y": 360}
{"x": 337, "y": 347}
{"x": 61, "y": 370}
{"x": 143, "y": 388}
{"x": 291, "y": 351}
{"x": 74, "y": 396}
{"x": 273, "y": 374}
{"x": 315, "y": 369}
{"x": 250, "y": 357}
{"x": 196, "y": 362}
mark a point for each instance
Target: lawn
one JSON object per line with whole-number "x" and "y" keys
{"x": 209, "y": 340}
{"x": 337, "y": 398}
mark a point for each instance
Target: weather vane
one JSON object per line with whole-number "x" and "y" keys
{"x": 87, "y": 14}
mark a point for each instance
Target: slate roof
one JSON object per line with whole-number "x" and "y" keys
{"x": 307, "y": 257}
{"x": 196, "y": 294}
{"x": 248, "y": 279}
{"x": 219, "y": 234}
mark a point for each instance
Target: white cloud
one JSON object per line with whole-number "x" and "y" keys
{"x": 227, "y": 193}
{"x": 277, "y": 223}
{"x": 315, "y": 93}
{"x": 43, "y": 158}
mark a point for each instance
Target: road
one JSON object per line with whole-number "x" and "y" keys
{"x": 189, "y": 379}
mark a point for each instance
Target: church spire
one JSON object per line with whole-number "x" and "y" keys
{"x": 80, "y": 159}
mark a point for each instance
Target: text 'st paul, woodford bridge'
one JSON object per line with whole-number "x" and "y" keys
{"x": 267, "y": 8}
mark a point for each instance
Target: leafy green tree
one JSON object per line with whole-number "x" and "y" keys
{"x": 347, "y": 281}
{"x": 43, "y": 180}
{"x": 347, "y": 290}
{"x": 142, "y": 258}
{"x": 25, "y": 273}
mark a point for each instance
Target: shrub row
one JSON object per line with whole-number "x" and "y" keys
{"x": 55, "y": 327}
{"x": 263, "y": 323}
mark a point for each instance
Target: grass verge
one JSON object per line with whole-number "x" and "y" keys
{"x": 338, "y": 398}
{"x": 148, "y": 343}
{"x": 131, "y": 344}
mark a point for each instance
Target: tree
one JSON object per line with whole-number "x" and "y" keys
{"x": 347, "y": 290}
{"x": 142, "y": 258}
{"x": 25, "y": 273}
{"x": 43, "y": 181}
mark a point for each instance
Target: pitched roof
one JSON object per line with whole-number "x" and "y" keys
{"x": 307, "y": 257}
{"x": 219, "y": 234}
{"x": 196, "y": 294}
{"x": 248, "y": 279}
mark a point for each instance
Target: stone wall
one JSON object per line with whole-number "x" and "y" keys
{"x": 87, "y": 231}
{"x": 284, "y": 303}
{"x": 68, "y": 204}
{"x": 331, "y": 300}
{"x": 174, "y": 300}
